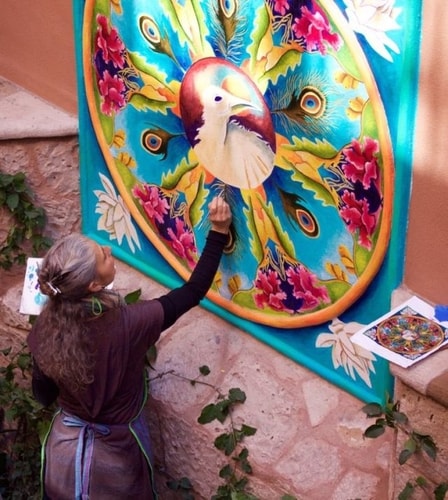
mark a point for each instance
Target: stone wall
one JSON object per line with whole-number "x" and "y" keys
{"x": 309, "y": 440}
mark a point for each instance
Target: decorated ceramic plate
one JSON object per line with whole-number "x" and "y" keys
{"x": 409, "y": 335}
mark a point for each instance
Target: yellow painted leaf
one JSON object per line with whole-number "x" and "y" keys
{"x": 152, "y": 93}
{"x": 346, "y": 259}
{"x": 234, "y": 284}
{"x": 116, "y": 4}
{"x": 355, "y": 107}
{"x": 126, "y": 159}
{"x": 119, "y": 139}
{"x": 336, "y": 271}
{"x": 346, "y": 80}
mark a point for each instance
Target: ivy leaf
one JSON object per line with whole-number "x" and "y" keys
{"x": 12, "y": 200}
{"x": 23, "y": 362}
{"x": 429, "y": 447}
{"x": 212, "y": 411}
{"x": 237, "y": 396}
{"x": 440, "y": 491}
{"x": 247, "y": 430}
{"x": 226, "y": 443}
{"x": 185, "y": 483}
{"x": 240, "y": 485}
{"x": 407, "y": 491}
{"x": 421, "y": 481}
{"x": 399, "y": 417}
{"x": 374, "y": 431}
{"x": 405, "y": 455}
{"x": 226, "y": 472}
{"x": 373, "y": 410}
{"x": 204, "y": 370}
{"x": 133, "y": 297}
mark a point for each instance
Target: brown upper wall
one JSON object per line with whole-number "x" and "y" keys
{"x": 37, "y": 52}
{"x": 426, "y": 270}
{"x": 37, "y": 49}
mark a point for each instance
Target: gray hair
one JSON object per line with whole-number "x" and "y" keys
{"x": 68, "y": 268}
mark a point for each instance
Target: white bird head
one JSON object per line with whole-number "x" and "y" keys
{"x": 227, "y": 123}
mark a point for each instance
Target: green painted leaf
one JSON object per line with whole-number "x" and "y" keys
{"x": 143, "y": 103}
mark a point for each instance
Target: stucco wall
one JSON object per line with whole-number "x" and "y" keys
{"x": 426, "y": 270}
{"x": 37, "y": 49}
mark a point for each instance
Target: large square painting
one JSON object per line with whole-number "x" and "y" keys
{"x": 300, "y": 114}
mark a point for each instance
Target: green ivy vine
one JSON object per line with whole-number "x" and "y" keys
{"x": 28, "y": 220}
{"x": 390, "y": 416}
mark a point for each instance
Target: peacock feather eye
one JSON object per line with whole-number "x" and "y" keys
{"x": 312, "y": 102}
{"x": 155, "y": 141}
{"x": 228, "y": 7}
{"x": 307, "y": 222}
{"x": 149, "y": 29}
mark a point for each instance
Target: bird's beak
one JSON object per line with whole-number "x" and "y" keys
{"x": 240, "y": 106}
{"x": 241, "y": 96}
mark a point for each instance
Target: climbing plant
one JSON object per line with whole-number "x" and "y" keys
{"x": 234, "y": 474}
{"x": 390, "y": 416}
{"x": 23, "y": 423}
{"x": 28, "y": 220}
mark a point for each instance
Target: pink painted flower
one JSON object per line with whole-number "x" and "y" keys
{"x": 281, "y": 6}
{"x": 108, "y": 41}
{"x": 314, "y": 29}
{"x": 271, "y": 295}
{"x": 357, "y": 217}
{"x": 362, "y": 164}
{"x": 182, "y": 242}
{"x": 306, "y": 288}
{"x": 112, "y": 90}
{"x": 154, "y": 205}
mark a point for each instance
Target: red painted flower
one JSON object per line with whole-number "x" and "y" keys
{"x": 182, "y": 242}
{"x": 314, "y": 29}
{"x": 112, "y": 90}
{"x": 108, "y": 41}
{"x": 281, "y": 6}
{"x": 271, "y": 294}
{"x": 305, "y": 288}
{"x": 362, "y": 164}
{"x": 154, "y": 205}
{"x": 357, "y": 217}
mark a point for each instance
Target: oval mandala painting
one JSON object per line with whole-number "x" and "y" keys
{"x": 270, "y": 104}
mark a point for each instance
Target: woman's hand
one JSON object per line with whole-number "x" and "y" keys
{"x": 220, "y": 215}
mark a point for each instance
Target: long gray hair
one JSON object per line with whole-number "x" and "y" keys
{"x": 65, "y": 351}
{"x": 68, "y": 268}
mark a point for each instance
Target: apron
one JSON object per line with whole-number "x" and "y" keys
{"x": 88, "y": 460}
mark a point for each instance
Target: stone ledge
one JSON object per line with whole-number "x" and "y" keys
{"x": 428, "y": 377}
{"x": 23, "y": 115}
